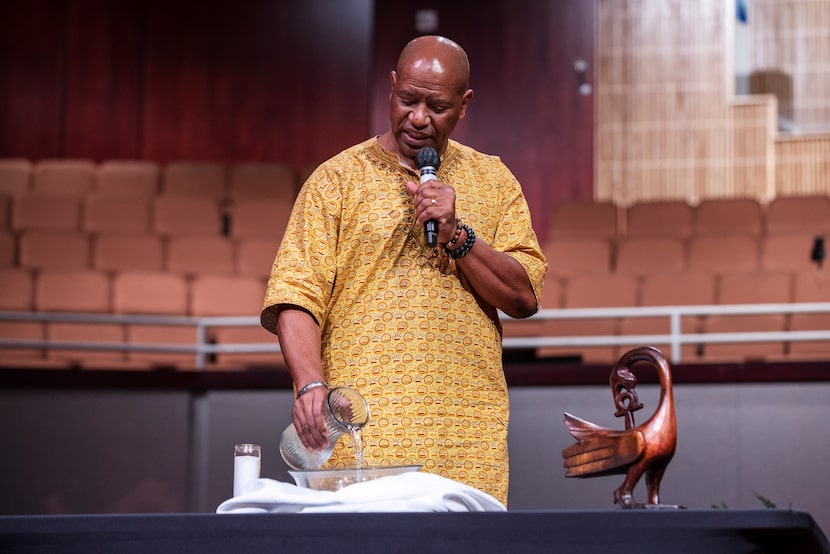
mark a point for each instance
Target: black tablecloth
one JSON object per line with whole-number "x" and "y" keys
{"x": 618, "y": 531}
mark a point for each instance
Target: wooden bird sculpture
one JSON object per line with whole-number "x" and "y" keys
{"x": 638, "y": 450}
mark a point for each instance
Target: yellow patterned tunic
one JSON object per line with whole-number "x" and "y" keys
{"x": 398, "y": 320}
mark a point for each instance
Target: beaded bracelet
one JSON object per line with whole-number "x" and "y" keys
{"x": 311, "y": 385}
{"x": 465, "y": 248}
{"x": 457, "y": 234}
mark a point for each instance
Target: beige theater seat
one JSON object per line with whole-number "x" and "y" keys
{"x": 646, "y": 255}
{"x": 584, "y": 218}
{"x": 723, "y": 254}
{"x": 810, "y": 285}
{"x": 216, "y": 295}
{"x": 200, "y": 255}
{"x": 106, "y": 214}
{"x": 672, "y": 289}
{"x": 264, "y": 181}
{"x": 255, "y": 256}
{"x": 15, "y": 176}
{"x": 788, "y": 252}
{"x": 85, "y": 291}
{"x": 175, "y": 215}
{"x": 128, "y": 253}
{"x": 201, "y": 179}
{"x": 54, "y": 250}
{"x": 591, "y": 291}
{"x": 155, "y": 293}
{"x": 728, "y": 216}
{"x": 569, "y": 256}
{"x": 34, "y": 211}
{"x": 130, "y": 178}
{"x": 749, "y": 288}
{"x": 259, "y": 218}
{"x": 17, "y": 295}
{"x": 798, "y": 214}
{"x": 666, "y": 218}
{"x": 63, "y": 177}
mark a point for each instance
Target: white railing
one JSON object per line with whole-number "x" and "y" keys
{"x": 202, "y": 348}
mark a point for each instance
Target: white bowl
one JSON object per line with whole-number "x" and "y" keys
{"x": 336, "y": 479}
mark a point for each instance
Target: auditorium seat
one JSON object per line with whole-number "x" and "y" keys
{"x": 533, "y": 327}
{"x": 8, "y": 256}
{"x": 584, "y": 218}
{"x": 568, "y": 256}
{"x": 149, "y": 293}
{"x": 721, "y": 254}
{"x": 15, "y": 176}
{"x": 255, "y": 256}
{"x": 34, "y": 211}
{"x": 72, "y": 291}
{"x": 728, "y": 216}
{"x": 749, "y": 288}
{"x": 64, "y": 177}
{"x": 787, "y": 252}
{"x": 798, "y": 214}
{"x": 85, "y": 291}
{"x": 200, "y": 255}
{"x": 265, "y": 180}
{"x": 645, "y": 255}
{"x": 131, "y": 178}
{"x": 117, "y": 253}
{"x": 17, "y": 292}
{"x": 175, "y": 215}
{"x": 199, "y": 179}
{"x": 17, "y": 295}
{"x": 810, "y": 286}
{"x": 54, "y": 250}
{"x": 591, "y": 291}
{"x": 217, "y": 296}
{"x": 259, "y": 218}
{"x": 155, "y": 293}
{"x": 5, "y": 211}
{"x": 682, "y": 288}
{"x": 664, "y": 218}
{"x": 107, "y": 213}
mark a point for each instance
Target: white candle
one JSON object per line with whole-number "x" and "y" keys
{"x": 245, "y": 470}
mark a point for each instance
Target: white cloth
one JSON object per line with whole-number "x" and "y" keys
{"x": 408, "y": 492}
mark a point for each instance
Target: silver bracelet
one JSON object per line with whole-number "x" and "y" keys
{"x": 311, "y": 385}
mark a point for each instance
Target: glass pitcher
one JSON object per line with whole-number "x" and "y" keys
{"x": 346, "y": 411}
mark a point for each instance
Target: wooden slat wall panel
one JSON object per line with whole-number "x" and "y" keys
{"x": 668, "y": 126}
{"x": 665, "y": 126}
{"x": 802, "y": 165}
{"x": 791, "y": 58}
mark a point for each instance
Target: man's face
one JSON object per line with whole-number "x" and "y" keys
{"x": 425, "y": 104}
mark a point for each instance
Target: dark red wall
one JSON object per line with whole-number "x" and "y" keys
{"x": 167, "y": 80}
{"x": 298, "y": 81}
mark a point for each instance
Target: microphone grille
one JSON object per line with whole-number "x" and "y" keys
{"x": 428, "y": 156}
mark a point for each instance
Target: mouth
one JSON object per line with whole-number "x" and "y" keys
{"x": 415, "y": 140}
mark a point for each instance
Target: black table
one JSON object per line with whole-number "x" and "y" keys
{"x": 618, "y": 531}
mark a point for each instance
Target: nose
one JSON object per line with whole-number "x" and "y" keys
{"x": 419, "y": 116}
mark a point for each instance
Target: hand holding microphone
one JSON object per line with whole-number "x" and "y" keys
{"x": 428, "y": 161}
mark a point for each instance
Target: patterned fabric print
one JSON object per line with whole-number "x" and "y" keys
{"x": 399, "y": 323}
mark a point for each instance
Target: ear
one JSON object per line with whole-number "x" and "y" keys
{"x": 465, "y": 100}
{"x": 393, "y": 78}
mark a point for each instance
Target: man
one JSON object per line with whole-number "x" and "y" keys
{"x": 358, "y": 298}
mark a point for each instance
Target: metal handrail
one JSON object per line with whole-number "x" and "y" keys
{"x": 202, "y": 348}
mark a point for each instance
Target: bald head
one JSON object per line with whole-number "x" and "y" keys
{"x": 438, "y": 55}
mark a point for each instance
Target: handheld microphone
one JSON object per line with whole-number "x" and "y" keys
{"x": 428, "y": 161}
